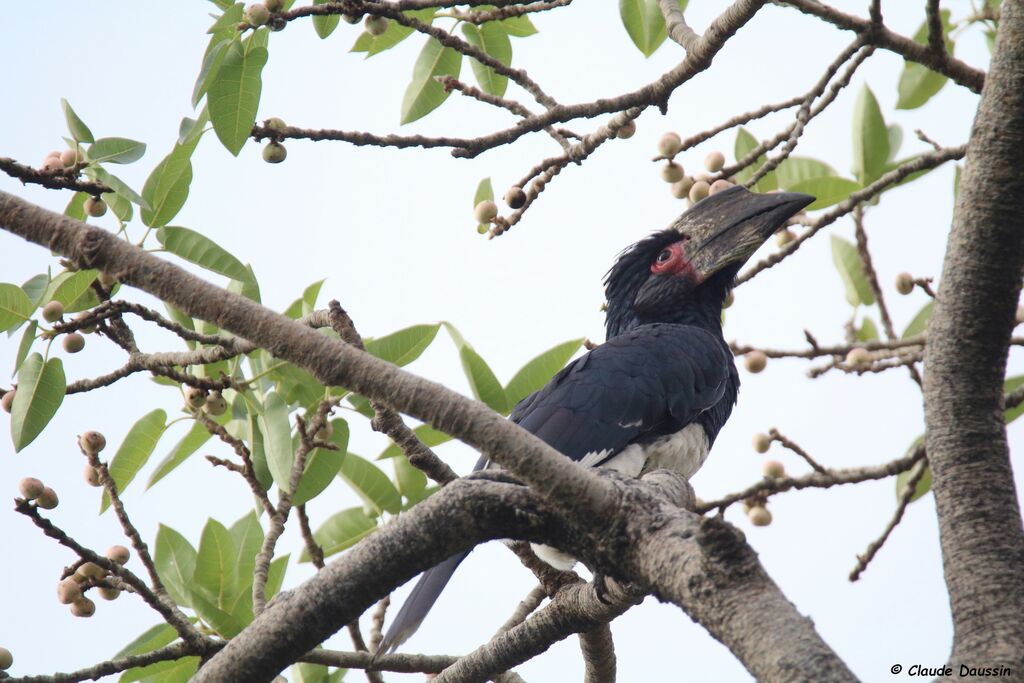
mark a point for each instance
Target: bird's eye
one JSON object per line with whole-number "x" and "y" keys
{"x": 664, "y": 256}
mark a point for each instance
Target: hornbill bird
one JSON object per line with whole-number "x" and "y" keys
{"x": 659, "y": 389}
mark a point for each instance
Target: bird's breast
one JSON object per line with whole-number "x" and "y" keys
{"x": 683, "y": 452}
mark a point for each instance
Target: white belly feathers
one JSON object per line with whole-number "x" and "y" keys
{"x": 683, "y": 452}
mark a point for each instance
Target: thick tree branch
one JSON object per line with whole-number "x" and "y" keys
{"x": 965, "y": 362}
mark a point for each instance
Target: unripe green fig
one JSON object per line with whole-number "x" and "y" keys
{"x": 51, "y": 164}
{"x": 53, "y": 154}
{"x": 669, "y": 145}
{"x": 515, "y": 197}
{"x": 68, "y": 590}
{"x": 761, "y": 442}
{"x": 275, "y": 123}
{"x": 47, "y": 499}
{"x": 858, "y": 357}
{"x": 486, "y": 211}
{"x": 699, "y": 190}
{"x": 118, "y": 553}
{"x": 755, "y": 361}
{"x": 53, "y": 311}
{"x": 92, "y": 442}
{"x": 257, "y": 14}
{"x": 784, "y": 237}
{"x": 95, "y": 207}
{"x": 8, "y": 400}
{"x": 627, "y": 130}
{"x": 108, "y": 593}
{"x": 714, "y": 161}
{"x": 215, "y": 404}
{"x": 6, "y": 659}
{"x": 904, "y": 283}
{"x": 375, "y": 26}
{"x": 31, "y": 488}
{"x": 773, "y": 469}
{"x": 83, "y": 607}
{"x": 195, "y": 397}
{"x": 68, "y": 158}
{"x": 74, "y": 342}
{"x": 718, "y": 186}
{"x": 759, "y": 516}
{"x": 91, "y": 476}
{"x": 352, "y": 18}
{"x": 681, "y": 188}
{"x": 672, "y": 172}
{"x": 274, "y": 152}
{"x": 91, "y": 570}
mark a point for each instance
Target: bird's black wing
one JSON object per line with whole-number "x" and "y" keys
{"x": 650, "y": 381}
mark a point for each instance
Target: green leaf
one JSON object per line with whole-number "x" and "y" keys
{"x": 258, "y": 449}
{"x": 482, "y": 382}
{"x": 227, "y": 625}
{"x": 41, "y": 387}
{"x": 76, "y": 207}
{"x": 234, "y": 94}
{"x": 135, "y": 450}
{"x": 189, "y": 444}
{"x": 924, "y": 484}
{"x": 920, "y": 322}
{"x": 15, "y": 306}
{"x": 867, "y": 330}
{"x": 166, "y": 188}
{"x": 644, "y": 23}
{"x": 72, "y": 291}
{"x": 201, "y": 250}
{"x": 851, "y": 269}
{"x": 28, "y": 337}
{"x": 246, "y": 286}
{"x": 918, "y": 83}
{"x": 309, "y": 673}
{"x": 121, "y": 207}
{"x": 492, "y": 38}
{"x": 275, "y": 576}
{"x": 520, "y": 27}
{"x": 212, "y": 61}
{"x": 79, "y": 131}
{"x": 404, "y": 346}
{"x": 215, "y": 574}
{"x": 894, "y": 134}
{"x": 342, "y": 530}
{"x": 394, "y": 34}
{"x": 745, "y": 144}
{"x": 428, "y": 435}
{"x": 175, "y": 562}
{"x": 372, "y": 485}
{"x": 536, "y": 373}
{"x": 326, "y": 23}
{"x": 277, "y": 439}
{"x": 424, "y": 94}
{"x": 306, "y": 303}
{"x": 827, "y": 191}
{"x": 322, "y": 465}
{"x": 248, "y": 537}
{"x": 169, "y": 671}
{"x": 35, "y": 287}
{"x": 153, "y": 638}
{"x": 229, "y": 20}
{"x": 116, "y": 184}
{"x": 411, "y": 481}
{"x": 794, "y": 170}
{"x": 870, "y": 138}
{"x": 116, "y": 150}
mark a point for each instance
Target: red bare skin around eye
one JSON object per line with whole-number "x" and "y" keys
{"x": 675, "y": 264}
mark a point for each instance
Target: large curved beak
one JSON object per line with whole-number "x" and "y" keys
{"x": 728, "y": 227}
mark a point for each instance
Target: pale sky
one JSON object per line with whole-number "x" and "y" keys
{"x": 393, "y": 233}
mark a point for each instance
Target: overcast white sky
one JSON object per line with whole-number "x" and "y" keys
{"x": 393, "y": 234}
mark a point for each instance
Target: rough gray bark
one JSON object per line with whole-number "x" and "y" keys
{"x": 965, "y": 362}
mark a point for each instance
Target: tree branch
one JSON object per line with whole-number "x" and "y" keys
{"x": 965, "y": 363}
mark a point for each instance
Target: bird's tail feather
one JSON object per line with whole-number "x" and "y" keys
{"x": 424, "y": 595}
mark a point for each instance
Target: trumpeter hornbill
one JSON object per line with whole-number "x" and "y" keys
{"x": 656, "y": 393}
